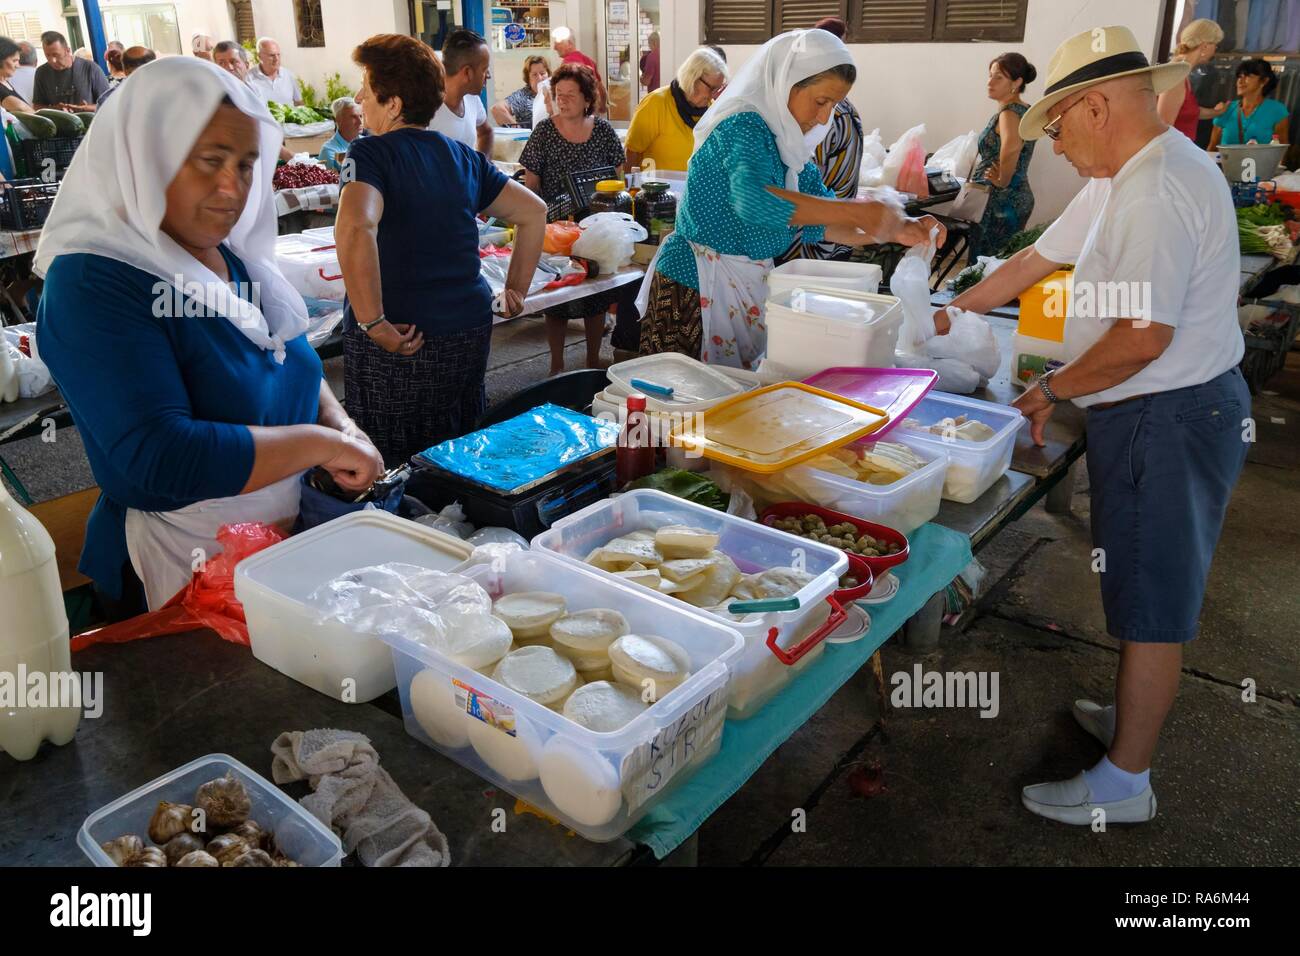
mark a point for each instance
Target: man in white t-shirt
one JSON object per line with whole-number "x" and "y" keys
{"x": 25, "y": 78}
{"x": 273, "y": 82}
{"x": 1153, "y": 344}
{"x": 462, "y": 115}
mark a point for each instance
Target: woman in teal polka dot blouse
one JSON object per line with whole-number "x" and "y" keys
{"x": 751, "y": 191}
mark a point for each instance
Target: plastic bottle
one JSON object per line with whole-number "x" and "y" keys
{"x": 635, "y": 456}
{"x": 33, "y": 633}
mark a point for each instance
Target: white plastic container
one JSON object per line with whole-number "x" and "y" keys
{"x": 33, "y": 633}
{"x": 598, "y": 784}
{"x": 758, "y": 672}
{"x": 311, "y": 270}
{"x": 298, "y": 835}
{"x": 973, "y": 466}
{"x": 1031, "y": 357}
{"x": 809, "y": 331}
{"x": 825, "y": 275}
{"x": 321, "y": 235}
{"x": 285, "y": 632}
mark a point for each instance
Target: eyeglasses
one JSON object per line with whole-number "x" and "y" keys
{"x": 715, "y": 91}
{"x": 1053, "y": 129}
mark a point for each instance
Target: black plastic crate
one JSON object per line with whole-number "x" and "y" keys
{"x": 26, "y": 203}
{"x": 58, "y": 148}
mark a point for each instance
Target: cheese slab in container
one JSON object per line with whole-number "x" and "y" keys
{"x": 776, "y": 427}
{"x": 978, "y": 437}
{"x": 598, "y": 783}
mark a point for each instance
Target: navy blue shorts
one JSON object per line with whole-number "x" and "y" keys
{"x": 1161, "y": 470}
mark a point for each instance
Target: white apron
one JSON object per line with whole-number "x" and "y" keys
{"x": 163, "y": 544}
{"x": 733, "y": 294}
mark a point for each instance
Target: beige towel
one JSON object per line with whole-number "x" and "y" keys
{"x": 352, "y": 793}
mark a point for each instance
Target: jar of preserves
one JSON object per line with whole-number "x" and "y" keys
{"x": 610, "y": 196}
{"x": 656, "y": 211}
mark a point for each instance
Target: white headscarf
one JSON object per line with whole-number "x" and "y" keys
{"x": 113, "y": 198}
{"x": 763, "y": 86}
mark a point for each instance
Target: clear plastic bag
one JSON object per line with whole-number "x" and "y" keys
{"x": 450, "y": 520}
{"x": 958, "y": 155}
{"x": 609, "y": 239}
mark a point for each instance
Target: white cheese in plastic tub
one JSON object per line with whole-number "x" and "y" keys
{"x": 973, "y": 465}
{"x": 286, "y": 631}
{"x": 810, "y": 330}
{"x": 825, "y": 274}
{"x": 298, "y": 835}
{"x": 598, "y": 784}
{"x": 757, "y": 673}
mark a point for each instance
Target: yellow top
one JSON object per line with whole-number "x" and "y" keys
{"x": 658, "y": 131}
{"x": 610, "y": 186}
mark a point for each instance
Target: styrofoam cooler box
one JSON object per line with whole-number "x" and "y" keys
{"x": 298, "y": 834}
{"x": 321, "y": 235}
{"x": 311, "y": 270}
{"x": 286, "y": 632}
{"x": 599, "y": 784}
{"x": 825, "y": 274}
{"x": 809, "y": 330}
{"x": 759, "y": 672}
{"x": 973, "y": 466}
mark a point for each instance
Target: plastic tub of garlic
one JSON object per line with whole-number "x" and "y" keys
{"x": 212, "y": 812}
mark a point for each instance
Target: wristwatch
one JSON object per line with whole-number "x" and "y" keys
{"x": 367, "y": 326}
{"x": 1045, "y": 388}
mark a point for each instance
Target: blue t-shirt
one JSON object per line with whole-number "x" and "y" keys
{"x": 433, "y": 187}
{"x": 163, "y": 403}
{"x": 1258, "y": 126}
{"x": 728, "y": 208}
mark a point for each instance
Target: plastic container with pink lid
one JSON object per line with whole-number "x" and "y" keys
{"x": 896, "y": 390}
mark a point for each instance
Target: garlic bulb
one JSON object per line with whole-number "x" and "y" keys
{"x": 226, "y": 847}
{"x": 181, "y": 845}
{"x": 197, "y": 858}
{"x": 251, "y": 832}
{"x": 149, "y": 856}
{"x": 224, "y": 801}
{"x": 251, "y": 858}
{"x": 123, "y": 848}
{"x": 284, "y": 861}
{"x": 169, "y": 820}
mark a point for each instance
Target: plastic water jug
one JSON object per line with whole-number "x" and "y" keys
{"x": 33, "y": 637}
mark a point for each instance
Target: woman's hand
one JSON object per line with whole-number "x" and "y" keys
{"x": 397, "y": 337}
{"x": 942, "y": 324}
{"x": 512, "y": 302}
{"x": 1219, "y": 109}
{"x": 914, "y": 232}
{"x": 357, "y": 464}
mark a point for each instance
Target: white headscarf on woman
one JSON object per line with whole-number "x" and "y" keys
{"x": 113, "y": 198}
{"x": 763, "y": 86}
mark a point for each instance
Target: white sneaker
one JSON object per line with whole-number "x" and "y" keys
{"x": 1070, "y": 801}
{"x": 1096, "y": 720}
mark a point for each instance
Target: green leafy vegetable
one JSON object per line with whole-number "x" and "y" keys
{"x": 335, "y": 87}
{"x": 1021, "y": 240}
{"x": 686, "y": 484}
{"x": 968, "y": 277}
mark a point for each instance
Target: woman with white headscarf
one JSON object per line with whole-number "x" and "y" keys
{"x": 704, "y": 295}
{"x": 174, "y": 338}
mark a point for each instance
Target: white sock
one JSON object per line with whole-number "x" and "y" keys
{"x": 1109, "y": 783}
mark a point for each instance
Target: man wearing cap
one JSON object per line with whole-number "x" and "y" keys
{"x": 1153, "y": 344}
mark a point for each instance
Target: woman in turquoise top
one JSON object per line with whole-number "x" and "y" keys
{"x": 1004, "y": 157}
{"x": 751, "y": 191}
{"x": 1253, "y": 117}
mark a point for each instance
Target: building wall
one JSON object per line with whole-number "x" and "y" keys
{"x": 347, "y": 23}
{"x": 943, "y": 85}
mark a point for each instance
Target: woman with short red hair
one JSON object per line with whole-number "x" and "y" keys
{"x": 418, "y": 316}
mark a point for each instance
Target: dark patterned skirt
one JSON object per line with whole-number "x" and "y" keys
{"x": 409, "y": 403}
{"x": 672, "y": 322}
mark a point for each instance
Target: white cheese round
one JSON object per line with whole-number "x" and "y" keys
{"x": 513, "y": 757}
{"x": 584, "y": 636}
{"x": 433, "y": 704}
{"x": 604, "y": 707}
{"x": 636, "y": 659}
{"x": 581, "y": 783}
{"x": 539, "y": 674}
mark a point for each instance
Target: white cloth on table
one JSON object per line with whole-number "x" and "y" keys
{"x": 1158, "y": 241}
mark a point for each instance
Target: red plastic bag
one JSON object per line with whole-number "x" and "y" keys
{"x": 912, "y": 178}
{"x": 208, "y": 601}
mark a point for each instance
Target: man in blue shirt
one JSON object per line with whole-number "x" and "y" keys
{"x": 347, "y": 119}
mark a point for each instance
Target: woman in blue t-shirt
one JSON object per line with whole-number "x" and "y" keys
{"x": 418, "y": 320}
{"x": 1252, "y": 117}
{"x": 175, "y": 340}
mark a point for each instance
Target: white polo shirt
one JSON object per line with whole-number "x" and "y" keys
{"x": 282, "y": 89}
{"x": 1156, "y": 241}
{"x": 465, "y": 127}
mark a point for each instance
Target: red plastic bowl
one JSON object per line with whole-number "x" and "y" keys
{"x": 878, "y": 566}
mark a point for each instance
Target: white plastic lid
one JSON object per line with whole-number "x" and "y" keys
{"x": 691, "y": 380}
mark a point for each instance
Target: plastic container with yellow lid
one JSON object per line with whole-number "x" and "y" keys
{"x": 778, "y": 426}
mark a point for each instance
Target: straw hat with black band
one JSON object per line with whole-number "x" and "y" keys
{"x": 1089, "y": 58}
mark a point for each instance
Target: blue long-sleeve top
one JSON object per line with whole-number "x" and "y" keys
{"x": 163, "y": 403}
{"x": 727, "y": 207}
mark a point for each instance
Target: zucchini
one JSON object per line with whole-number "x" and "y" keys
{"x": 66, "y": 123}
{"x": 85, "y": 118}
{"x": 38, "y": 126}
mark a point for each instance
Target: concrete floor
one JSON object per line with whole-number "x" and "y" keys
{"x": 1226, "y": 773}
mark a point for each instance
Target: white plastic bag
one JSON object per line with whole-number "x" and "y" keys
{"x": 871, "y": 172}
{"x": 910, "y": 283}
{"x": 539, "y": 103}
{"x": 897, "y": 154}
{"x": 970, "y": 340}
{"x": 608, "y": 239}
{"x": 958, "y": 155}
{"x": 450, "y": 520}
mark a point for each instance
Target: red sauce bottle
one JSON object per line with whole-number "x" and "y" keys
{"x": 635, "y": 456}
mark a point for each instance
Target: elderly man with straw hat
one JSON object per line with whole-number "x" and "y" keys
{"x": 1153, "y": 344}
